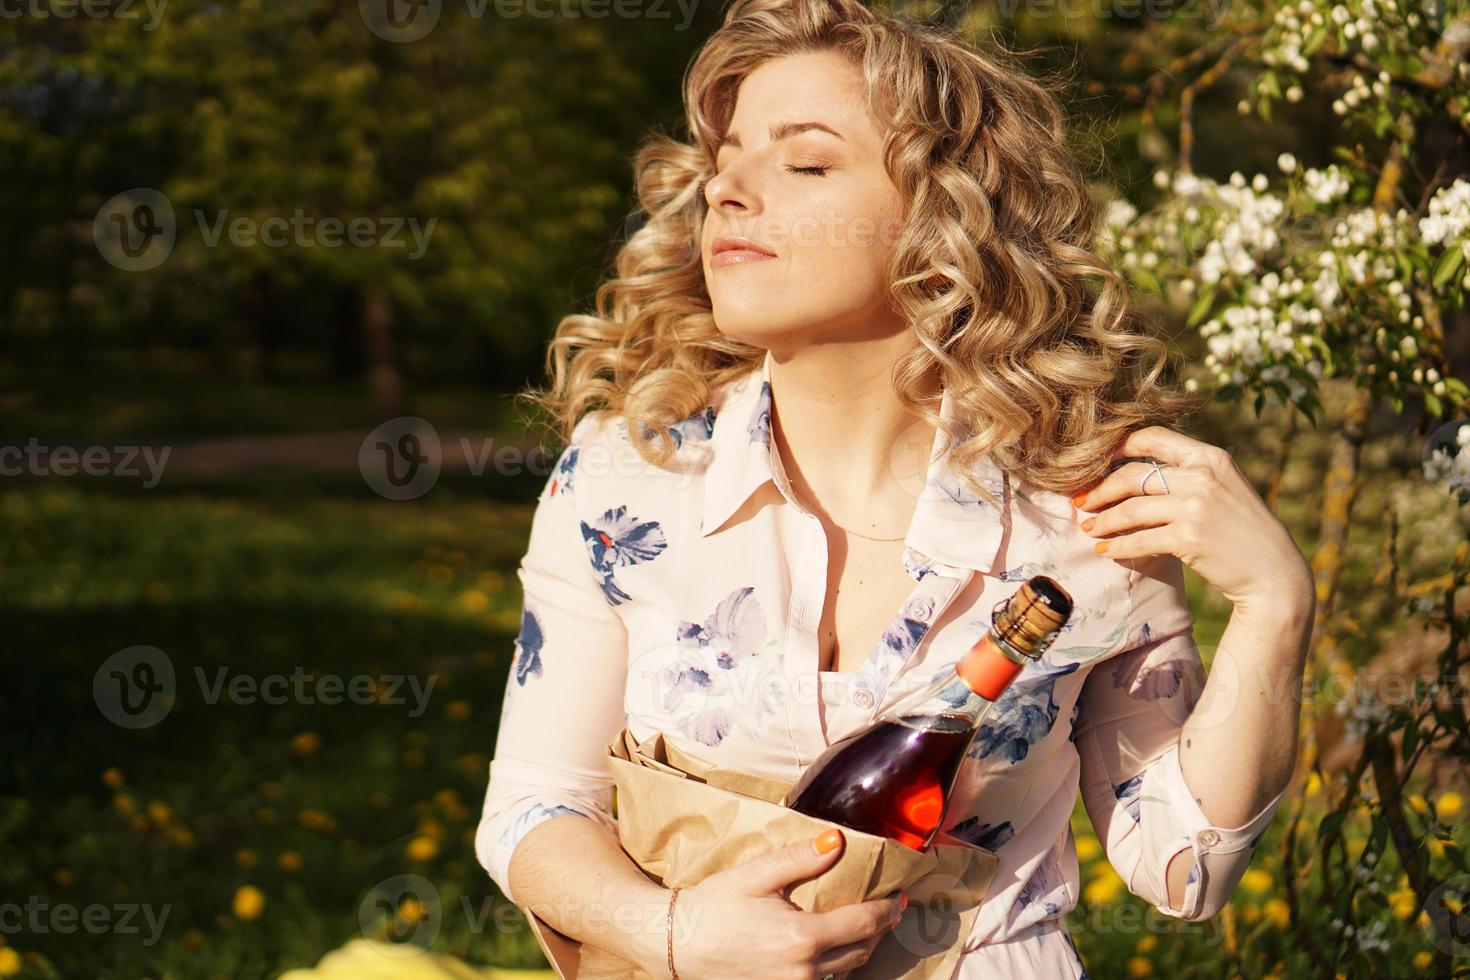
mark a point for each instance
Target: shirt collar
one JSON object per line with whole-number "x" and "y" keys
{"x": 951, "y": 524}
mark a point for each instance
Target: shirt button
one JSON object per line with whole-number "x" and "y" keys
{"x": 1209, "y": 837}
{"x": 863, "y": 698}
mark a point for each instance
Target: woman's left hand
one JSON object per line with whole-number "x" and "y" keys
{"x": 1210, "y": 517}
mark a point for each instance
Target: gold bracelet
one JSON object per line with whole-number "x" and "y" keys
{"x": 673, "y": 973}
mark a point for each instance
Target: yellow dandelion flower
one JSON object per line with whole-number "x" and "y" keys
{"x": 1423, "y": 959}
{"x": 9, "y": 962}
{"x": 159, "y": 812}
{"x": 1139, "y": 967}
{"x": 1418, "y": 803}
{"x": 181, "y": 836}
{"x": 193, "y": 939}
{"x": 245, "y": 858}
{"x": 1088, "y": 848}
{"x": 290, "y": 861}
{"x": 123, "y": 803}
{"x": 1434, "y": 845}
{"x": 306, "y": 744}
{"x": 412, "y": 910}
{"x": 248, "y": 903}
{"x": 1250, "y": 913}
{"x": 318, "y": 820}
{"x": 1314, "y": 784}
{"x": 1147, "y": 943}
{"x": 1278, "y": 912}
{"x": 266, "y": 817}
{"x": 431, "y": 828}
{"x": 1104, "y": 889}
{"x": 422, "y": 849}
{"x": 112, "y": 778}
{"x": 1256, "y": 881}
{"x": 457, "y": 710}
{"x": 1403, "y": 904}
{"x": 473, "y": 601}
{"x": 1448, "y": 805}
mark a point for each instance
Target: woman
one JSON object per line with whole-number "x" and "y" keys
{"x": 832, "y": 410}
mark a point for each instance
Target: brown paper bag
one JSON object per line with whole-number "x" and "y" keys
{"x": 682, "y": 819}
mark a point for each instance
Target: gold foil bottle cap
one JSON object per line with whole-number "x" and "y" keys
{"x": 1030, "y": 619}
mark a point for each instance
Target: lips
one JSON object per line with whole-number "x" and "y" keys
{"x": 739, "y": 243}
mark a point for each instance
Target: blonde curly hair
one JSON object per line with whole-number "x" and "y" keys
{"x": 1031, "y": 333}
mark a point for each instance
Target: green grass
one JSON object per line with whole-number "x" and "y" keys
{"x": 344, "y": 585}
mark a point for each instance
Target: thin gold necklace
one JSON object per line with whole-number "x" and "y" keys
{"x": 860, "y": 534}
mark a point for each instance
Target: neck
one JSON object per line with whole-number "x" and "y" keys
{"x": 853, "y": 452}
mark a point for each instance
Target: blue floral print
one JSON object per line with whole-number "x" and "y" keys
{"x": 917, "y": 564}
{"x": 1029, "y": 902}
{"x": 989, "y": 836}
{"x": 617, "y": 539}
{"x": 537, "y": 814}
{"x": 693, "y": 428}
{"x": 1149, "y": 682}
{"x": 1127, "y": 792}
{"x": 760, "y": 425}
{"x": 561, "y": 477}
{"x": 705, "y": 689}
{"x": 1022, "y": 717}
{"x": 528, "y": 646}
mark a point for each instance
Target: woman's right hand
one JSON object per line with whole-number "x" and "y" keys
{"x": 738, "y": 923}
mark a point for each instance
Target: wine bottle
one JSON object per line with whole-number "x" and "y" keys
{"x": 893, "y": 777}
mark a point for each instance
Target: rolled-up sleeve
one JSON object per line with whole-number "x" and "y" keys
{"x": 1133, "y": 706}
{"x": 564, "y": 696}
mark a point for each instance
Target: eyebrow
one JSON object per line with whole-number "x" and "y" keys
{"x": 780, "y": 131}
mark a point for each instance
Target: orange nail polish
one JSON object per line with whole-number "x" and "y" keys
{"x": 1078, "y": 498}
{"x": 829, "y": 840}
{"x": 1087, "y": 524}
{"x": 1100, "y": 547}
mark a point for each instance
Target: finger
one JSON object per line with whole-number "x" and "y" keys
{"x": 841, "y": 959}
{"x": 1123, "y": 483}
{"x": 1134, "y": 513}
{"x": 1165, "y": 445}
{"x": 796, "y": 861}
{"x": 858, "y": 922}
{"x": 1138, "y": 544}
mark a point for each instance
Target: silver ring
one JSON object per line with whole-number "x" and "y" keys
{"x": 1144, "y": 482}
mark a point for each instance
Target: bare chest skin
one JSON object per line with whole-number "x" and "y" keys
{"x": 866, "y": 587}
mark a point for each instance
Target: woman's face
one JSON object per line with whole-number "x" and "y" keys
{"x": 800, "y": 175}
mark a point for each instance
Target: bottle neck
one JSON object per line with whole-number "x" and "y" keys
{"x": 989, "y": 667}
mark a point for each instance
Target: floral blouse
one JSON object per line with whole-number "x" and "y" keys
{"x": 686, "y": 599}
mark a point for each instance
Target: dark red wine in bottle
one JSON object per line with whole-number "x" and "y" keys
{"x": 893, "y": 777}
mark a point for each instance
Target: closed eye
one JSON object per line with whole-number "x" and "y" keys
{"x": 813, "y": 171}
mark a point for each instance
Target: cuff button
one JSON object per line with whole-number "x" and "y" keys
{"x": 1209, "y": 837}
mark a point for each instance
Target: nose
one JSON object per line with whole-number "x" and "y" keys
{"x": 732, "y": 191}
